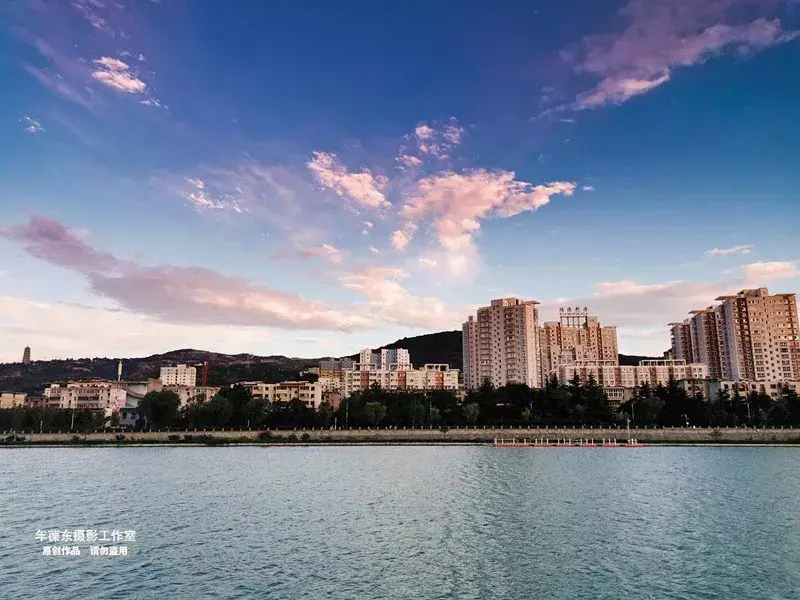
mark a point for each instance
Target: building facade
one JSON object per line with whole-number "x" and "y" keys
{"x": 504, "y": 344}
{"x": 190, "y": 393}
{"x": 576, "y": 337}
{"x": 429, "y": 377}
{"x": 306, "y": 392}
{"x": 650, "y": 372}
{"x": 750, "y": 336}
{"x": 87, "y": 395}
{"x": 12, "y": 399}
{"x": 179, "y": 375}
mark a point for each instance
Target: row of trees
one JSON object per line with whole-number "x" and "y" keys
{"x": 574, "y": 403}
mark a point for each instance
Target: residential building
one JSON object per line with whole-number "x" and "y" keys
{"x": 12, "y": 399}
{"x": 681, "y": 334}
{"x": 188, "y": 393}
{"x": 308, "y": 393}
{"x": 179, "y": 375}
{"x": 504, "y": 344}
{"x": 26, "y": 355}
{"x": 396, "y": 359}
{"x": 86, "y": 395}
{"x": 330, "y": 366}
{"x": 429, "y": 377}
{"x": 705, "y": 340}
{"x": 750, "y": 336}
{"x": 617, "y": 378}
{"x": 772, "y": 388}
{"x": 469, "y": 338}
{"x": 35, "y": 402}
{"x": 576, "y": 337}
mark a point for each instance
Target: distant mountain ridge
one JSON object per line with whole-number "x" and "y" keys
{"x": 441, "y": 347}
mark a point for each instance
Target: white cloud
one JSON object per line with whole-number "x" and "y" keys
{"x": 55, "y": 330}
{"x": 423, "y": 132}
{"x": 373, "y": 249}
{"x": 743, "y": 249}
{"x": 326, "y": 251}
{"x": 401, "y": 238}
{"x": 435, "y": 141}
{"x": 616, "y": 90}
{"x": 117, "y": 75}
{"x": 588, "y": 188}
{"x": 31, "y": 125}
{"x": 367, "y": 227}
{"x": 760, "y": 273}
{"x": 203, "y": 200}
{"x": 363, "y": 188}
{"x": 427, "y": 262}
{"x": 408, "y": 160}
{"x": 387, "y": 299}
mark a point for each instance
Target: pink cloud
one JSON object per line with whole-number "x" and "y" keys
{"x": 388, "y": 300}
{"x": 457, "y": 202}
{"x": 664, "y": 36}
{"x": 363, "y": 188}
{"x": 760, "y": 273}
{"x": 326, "y": 251}
{"x": 117, "y": 75}
{"x": 178, "y": 294}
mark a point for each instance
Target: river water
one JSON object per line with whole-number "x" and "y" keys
{"x": 404, "y": 522}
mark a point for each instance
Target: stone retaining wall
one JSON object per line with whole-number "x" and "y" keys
{"x": 480, "y": 434}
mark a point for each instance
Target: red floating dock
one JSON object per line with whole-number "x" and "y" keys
{"x": 565, "y": 443}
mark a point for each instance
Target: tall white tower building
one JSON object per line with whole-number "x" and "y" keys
{"x": 502, "y": 344}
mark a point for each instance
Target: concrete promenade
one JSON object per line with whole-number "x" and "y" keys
{"x": 677, "y": 435}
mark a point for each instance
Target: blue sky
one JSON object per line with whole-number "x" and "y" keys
{"x": 311, "y": 179}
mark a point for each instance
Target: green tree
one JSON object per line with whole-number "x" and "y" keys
{"x": 471, "y": 412}
{"x": 159, "y": 409}
{"x": 221, "y": 409}
{"x": 376, "y": 412}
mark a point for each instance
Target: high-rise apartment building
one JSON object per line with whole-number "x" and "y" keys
{"x": 574, "y": 338}
{"x": 503, "y": 344}
{"x": 681, "y": 334}
{"x": 26, "y": 355}
{"x": 469, "y": 348}
{"x": 750, "y": 336}
{"x": 179, "y": 375}
{"x": 396, "y": 359}
{"x": 705, "y": 340}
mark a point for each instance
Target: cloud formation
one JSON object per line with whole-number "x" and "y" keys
{"x": 432, "y": 140}
{"x": 32, "y": 126}
{"x": 202, "y": 200}
{"x": 388, "y": 300}
{"x": 761, "y": 273}
{"x": 743, "y": 249}
{"x": 117, "y": 75}
{"x": 457, "y": 202}
{"x": 364, "y": 188}
{"x": 664, "y": 36}
{"x": 178, "y": 294}
{"x": 325, "y": 251}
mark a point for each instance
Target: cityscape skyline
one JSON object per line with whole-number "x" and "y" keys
{"x": 265, "y": 183}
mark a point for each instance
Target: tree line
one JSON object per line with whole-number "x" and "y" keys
{"x": 556, "y": 404}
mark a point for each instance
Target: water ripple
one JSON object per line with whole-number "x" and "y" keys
{"x": 407, "y": 523}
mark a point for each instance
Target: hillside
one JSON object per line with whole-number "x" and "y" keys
{"x": 441, "y": 347}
